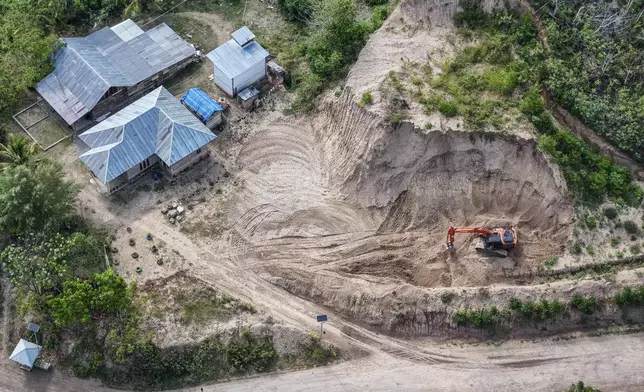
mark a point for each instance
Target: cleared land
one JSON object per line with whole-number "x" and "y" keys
{"x": 341, "y": 213}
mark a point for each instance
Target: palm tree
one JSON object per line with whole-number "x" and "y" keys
{"x": 17, "y": 151}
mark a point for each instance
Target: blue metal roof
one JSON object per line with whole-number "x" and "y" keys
{"x": 202, "y": 104}
{"x": 233, "y": 60}
{"x": 155, "y": 124}
{"x": 85, "y": 68}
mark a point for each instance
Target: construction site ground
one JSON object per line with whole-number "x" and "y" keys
{"x": 339, "y": 214}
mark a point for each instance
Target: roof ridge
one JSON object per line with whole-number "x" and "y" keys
{"x": 86, "y": 63}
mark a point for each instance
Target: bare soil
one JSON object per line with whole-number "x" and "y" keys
{"x": 341, "y": 214}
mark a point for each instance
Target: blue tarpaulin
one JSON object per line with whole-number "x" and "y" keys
{"x": 197, "y": 100}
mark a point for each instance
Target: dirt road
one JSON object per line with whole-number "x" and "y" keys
{"x": 611, "y": 363}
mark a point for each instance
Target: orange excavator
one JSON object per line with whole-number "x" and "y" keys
{"x": 495, "y": 241}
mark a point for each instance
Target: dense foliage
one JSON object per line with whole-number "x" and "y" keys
{"x": 333, "y": 36}
{"x": 630, "y": 296}
{"x": 34, "y": 197}
{"x": 585, "y": 303}
{"x": 511, "y": 46}
{"x": 596, "y": 65}
{"x": 24, "y": 52}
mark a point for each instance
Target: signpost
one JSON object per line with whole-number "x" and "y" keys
{"x": 321, "y": 319}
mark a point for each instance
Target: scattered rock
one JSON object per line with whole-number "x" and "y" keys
{"x": 132, "y": 242}
{"x": 135, "y": 255}
{"x": 159, "y": 261}
{"x": 172, "y": 213}
{"x": 113, "y": 237}
{"x": 211, "y": 183}
{"x": 175, "y": 204}
{"x": 202, "y": 199}
{"x": 115, "y": 249}
{"x": 129, "y": 229}
{"x": 164, "y": 211}
{"x": 179, "y": 218}
{"x": 172, "y": 221}
{"x": 226, "y": 173}
{"x": 115, "y": 262}
{"x": 180, "y": 210}
{"x": 154, "y": 249}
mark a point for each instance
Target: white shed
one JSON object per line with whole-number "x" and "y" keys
{"x": 238, "y": 63}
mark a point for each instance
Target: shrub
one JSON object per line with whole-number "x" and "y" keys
{"x": 448, "y": 108}
{"x": 550, "y": 262}
{"x": 635, "y": 249}
{"x": 591, "y": 223}
{"x": 396, "y": 118}
{"x": 576, "y": 248}
{"x": 376, "y": 2}
{"x": 586, "y": 304}
{"x": 298, "y": 10}
{"x": 610, "y": 213}
{"x": 631, "y": 227}
{"x": 537, "y": 310}
{"x": 590, "y": 250}
{"x": 614, "y": 242}
{"x": 630, "y": 296}
{"x": 477, "y": 318}
{"x": 378, "y": 16}
{"x": 580, "y": 387}
{"x": 501, "y": 81}
{"x": 367, "y": 99}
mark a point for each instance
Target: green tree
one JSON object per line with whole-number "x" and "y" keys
{"x": 112, "y": 293}
{"x": 34, "y": 197}
{"x": 39, "y": 264}
{"x": 17, "y": 151}
{"x": 74, "y": 304}
{"x": 25, "y": 50}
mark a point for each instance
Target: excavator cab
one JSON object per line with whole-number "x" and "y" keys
{"x": 495, "y": 241}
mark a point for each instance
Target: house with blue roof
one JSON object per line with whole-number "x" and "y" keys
{"x": 154, "y": 131}
{"x": 97, "y": 75}
{"x": 238, "y": 63}
{"x": 203, "y": 106}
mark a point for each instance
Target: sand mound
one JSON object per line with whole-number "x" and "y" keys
{"x": 350, "y": 195}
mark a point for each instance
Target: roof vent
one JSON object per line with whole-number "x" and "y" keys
{"x": 243, "y": 36}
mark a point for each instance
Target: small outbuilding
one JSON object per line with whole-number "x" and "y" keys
{"x": 248, "y": 97}
{"x": 26, "y": 354}
{"x": 239, "y": 63}
{"x": 203, "y": 106}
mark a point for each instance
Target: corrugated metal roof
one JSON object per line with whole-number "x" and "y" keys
{"x": 202, "y": 104}
{"x": 127, "y": 30}
{"x": 155, "y": 124}
{"x": 243, "y": 36}
{"x": 85, "y": 68}
{"x": 233, "y": 60}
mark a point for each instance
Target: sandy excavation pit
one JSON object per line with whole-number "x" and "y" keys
{"x": 350, "y": 199}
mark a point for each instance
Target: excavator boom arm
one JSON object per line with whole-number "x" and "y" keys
{"x": 453, "y": 230}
